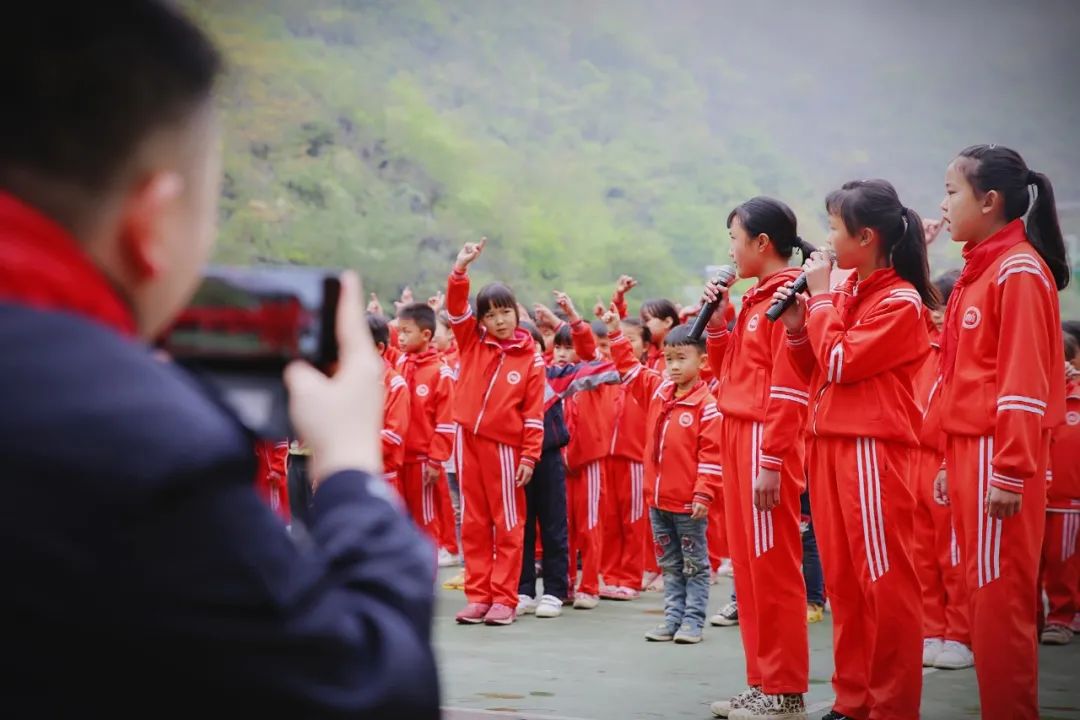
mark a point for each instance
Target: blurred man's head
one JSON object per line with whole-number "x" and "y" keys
{"x": 109, "y": 128}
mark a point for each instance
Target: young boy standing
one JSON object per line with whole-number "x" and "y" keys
{"x": 395, "y": 405}
{"x": 430, "y": 438}
{"x": 682, "y": 470}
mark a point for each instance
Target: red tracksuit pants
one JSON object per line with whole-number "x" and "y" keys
{"x": 421, "y": 499}
{"x": 766, "y": 551}
{"x": 1061, "y": 566}
{"x": 937, "y": 558}
{"x": 444, "y": 509}
{"x": 1001, "y": 564}
{"x": 716, "y": 533}
{"x": 863, "y": 518}
{"x": 583, "y": 486}
{"x": 624, "y": 514}
{"x": 493, "y": 520}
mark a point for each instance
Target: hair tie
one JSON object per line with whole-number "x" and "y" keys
{"x": 1032, "y": 177}
{"x": 903, "y": 217}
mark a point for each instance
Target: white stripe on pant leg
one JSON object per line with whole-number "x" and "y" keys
{"x": 860, "y": 462}
{"x": 504, "y": 463}
{"x": 753, "y": 471}
{"x": 639, "y": 489}
{"x": 954, "y": 548}
{"x": 884, "y": 549}
{"x": 429, "y": 503}
{"x": 988, "y": 528}
{"x": 982, "y": 512}
{"x": 1064, "y": 538}
{"x": 590, "y": 478}
{"x": 511, "y": 488}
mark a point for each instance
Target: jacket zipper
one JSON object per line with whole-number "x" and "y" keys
{"x": 660, "y": 461}
{"x": 483, "y": 406}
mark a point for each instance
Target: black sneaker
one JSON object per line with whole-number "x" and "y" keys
{"x": 833, "y": 715}
{"x": 727, "y": 617}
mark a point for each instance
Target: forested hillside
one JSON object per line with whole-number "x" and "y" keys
{"x": 590, "y": 138}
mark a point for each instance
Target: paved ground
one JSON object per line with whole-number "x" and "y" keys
{"x": 595, "y": 665}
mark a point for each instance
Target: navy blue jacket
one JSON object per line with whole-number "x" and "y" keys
{"x": 143, "y": 574}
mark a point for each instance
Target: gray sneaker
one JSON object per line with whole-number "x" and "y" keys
{"x": 727, "y": 617}
{"x": 771, "y": 707}
{"x": 661, "y": 633}
{"x": 723, "y": 708}
{"x": 688, "y": 635}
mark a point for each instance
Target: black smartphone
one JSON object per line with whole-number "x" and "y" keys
{"x": 244, "y": 325}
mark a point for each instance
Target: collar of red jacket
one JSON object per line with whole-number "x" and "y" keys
{"x": 521, "y": 342}
{"x": 880, "y": 278}
{"x": 45, "y": 268}
{"x": 768, "y": 285}
{"x": 423, "y": 358}
{"x": 977, "y": 258}
{"x": 693, "y": 397}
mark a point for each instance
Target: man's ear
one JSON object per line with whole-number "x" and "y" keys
{"x": 146, "y": 212}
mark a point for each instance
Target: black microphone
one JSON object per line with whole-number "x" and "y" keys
{"x": 777, "y": 308}
{"x": 723, "y": 278}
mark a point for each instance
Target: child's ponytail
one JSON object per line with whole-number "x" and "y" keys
{"x": 875, "y": 204}
{"x": 995, "y": 167}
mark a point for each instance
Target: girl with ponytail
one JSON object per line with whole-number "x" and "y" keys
{"x": 763, "y": 400}
{"x": 1002, "y": 393}
{"x": 860, "y": 347}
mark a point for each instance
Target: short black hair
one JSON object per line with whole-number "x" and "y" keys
{"x": 419, "y": 313}
{"x": 89, "y": 82}
{"x": 646, "y": 334}
{"x": 680, "y": 337}
{"x": 563, "y": 337}
{"x": 380, "y": 329}
{"x": 530, "y": 328}
{"x": 945, "y": 283}
{"x": 599, "y": 329}
{"x": 495, "y": 295}
{"x": 1072, "y": 346}
{"x": 661, "y": 309}
{"x": 1073, "y": 328}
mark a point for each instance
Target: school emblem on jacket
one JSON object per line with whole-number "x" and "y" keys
{"x": 972, "y": 318}
{"x": 513, "y": 377}
{"x": 752, "y": 323}
{"x": 422, "y": 390}
{"x": 686, "y": 419}
{"x": 1072, "y": 417}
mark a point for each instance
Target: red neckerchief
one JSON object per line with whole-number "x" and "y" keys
{"x": 855, "y": 290}
{"x": 977, "y": 258}
{"x": 43, "y": 267}
{"x": 665, "y": 411}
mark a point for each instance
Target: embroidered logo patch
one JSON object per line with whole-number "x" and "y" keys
{"x": 422, "y": 390}
{"x": 972, "y": 318}
{"x": 752, "y": 323}
{"x": 686, "y": 419}
{"x": 1073, "y": 417}
{"x": 513, "y": 377}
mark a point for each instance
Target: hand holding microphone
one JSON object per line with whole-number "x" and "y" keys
{"x": 814, "y": 279}
{"x": 713, "y": 298}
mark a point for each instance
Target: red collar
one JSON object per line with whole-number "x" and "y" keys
{"x": 45, "y": 268}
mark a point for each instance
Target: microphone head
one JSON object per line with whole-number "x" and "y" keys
{"x": 724, "y": 275}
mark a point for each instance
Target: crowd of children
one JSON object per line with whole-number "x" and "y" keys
{"x": 932, "y": 427}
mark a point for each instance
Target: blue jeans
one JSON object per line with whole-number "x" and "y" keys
{"x": 811, "y": 560}
{"x": 683, "y": 556}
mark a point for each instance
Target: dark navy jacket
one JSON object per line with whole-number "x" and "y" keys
{"x": 142, "y": 573}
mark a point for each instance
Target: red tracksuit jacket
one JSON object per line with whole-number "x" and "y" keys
{"x": 861, "y": 386}
{"x": 590, "y": 416}
{"x": 395, "y": 421}
{"x": 682, "y": 447}
{"x": 927, "y": 384}
{"x": 1011, "y": 305}
{"x": 758, "y": 379}
{"x": 1064, "y": 491}
{"x": 430, "y": 437}
{"x": 500, "y": 390}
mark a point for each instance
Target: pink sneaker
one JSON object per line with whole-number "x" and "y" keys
{"x": 610, "y": 592}
{"x": 473, "y": 614}
{"x": 626, "y": 593}
{"x": 500, "y": 614}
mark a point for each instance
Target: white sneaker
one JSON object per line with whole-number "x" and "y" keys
{"x": 585, "y": 601}
{"x": 955, "y": 656}
{"x": 726, "y": 569}
{"x": 931, "y": 648}
{"x": 448, "y": 559}
{"x": 526, "y": 605}
{"x": 549, "y": 607}
{"x": 1056, "y": 635}
{"x": 727, "y": 617}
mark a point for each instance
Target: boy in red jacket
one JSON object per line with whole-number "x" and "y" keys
{"x": 1061, "y": 547}
{"x": 682, "y": 465}
{"x": 430, "y": 438}
{"x": 499, "y": 405}
{"x": 395, "y": 407}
